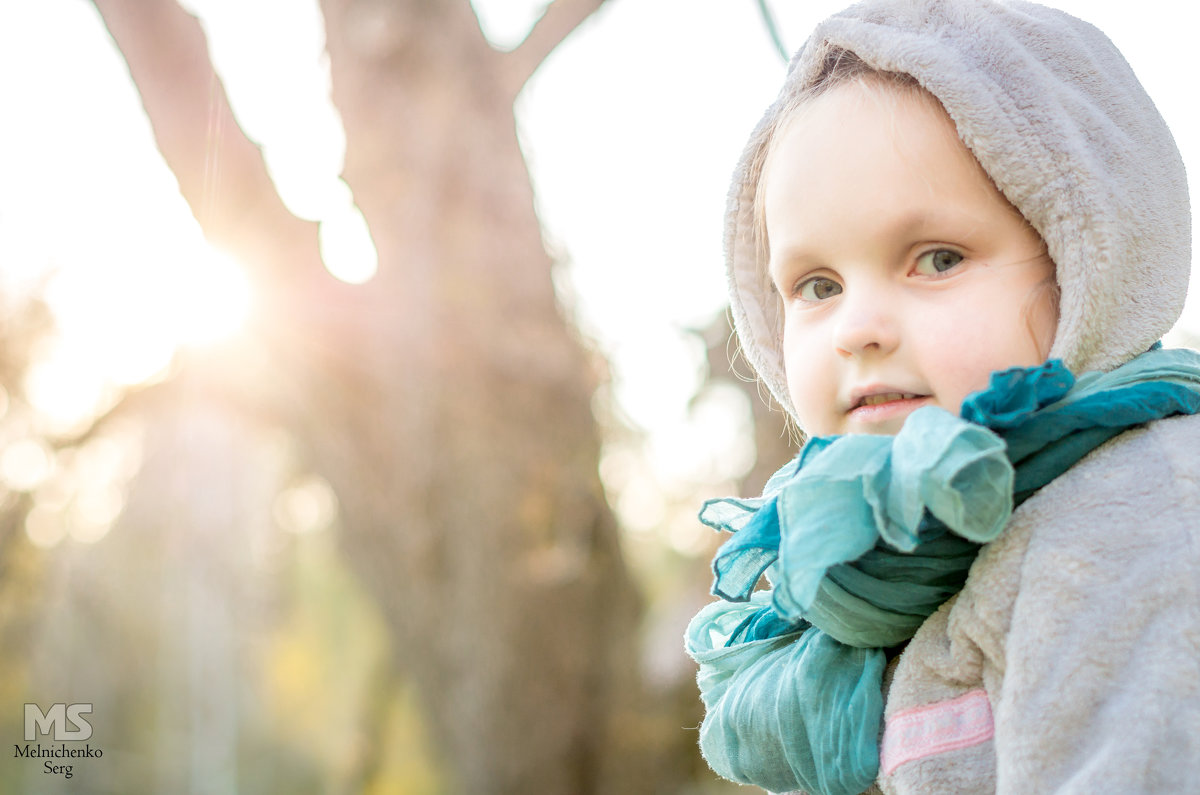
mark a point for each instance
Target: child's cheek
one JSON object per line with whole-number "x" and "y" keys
{"x": 957, "y": 358}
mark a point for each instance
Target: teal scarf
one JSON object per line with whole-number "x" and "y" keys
{"x": 862, "y": 538}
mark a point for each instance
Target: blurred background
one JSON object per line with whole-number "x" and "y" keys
{"x": 363, "y": 364}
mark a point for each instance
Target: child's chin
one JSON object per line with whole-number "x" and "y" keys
{"x": 887, "y": 429}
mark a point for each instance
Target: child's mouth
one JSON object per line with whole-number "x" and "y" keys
{"x": 884, "y": 406}
{"x": 884, "y": 397}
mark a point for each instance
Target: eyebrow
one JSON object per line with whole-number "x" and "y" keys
{"x": 906, "y": 222}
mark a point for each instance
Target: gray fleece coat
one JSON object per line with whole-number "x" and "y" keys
{"x": 1070, "y": 662}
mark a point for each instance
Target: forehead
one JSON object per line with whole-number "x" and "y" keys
{"x": 875, "y": 151}
{"x": 869, "y": 117}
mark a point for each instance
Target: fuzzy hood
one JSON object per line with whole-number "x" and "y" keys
{"x": 1054, "y": 114}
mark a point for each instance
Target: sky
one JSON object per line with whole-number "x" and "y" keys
{"x": 631, "y": 130}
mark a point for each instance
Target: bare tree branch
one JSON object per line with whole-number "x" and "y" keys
{"x": 773, "y": 30}
{"x": 221, "y": 173}
{"x": 559, "y": 20}
{"x": 456, "y": 360}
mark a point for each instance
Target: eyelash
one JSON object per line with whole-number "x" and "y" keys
{"x": 798, "y": 290}
{"x": 800, "y": 285}
{"x": 934, "y": 252}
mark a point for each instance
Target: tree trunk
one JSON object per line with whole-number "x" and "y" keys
{"x": 446, "y": 400}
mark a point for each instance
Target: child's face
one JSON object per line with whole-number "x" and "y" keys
{"x": 906, "y": 276}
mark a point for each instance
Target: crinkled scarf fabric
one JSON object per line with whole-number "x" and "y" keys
{"x": 862, "y": 538}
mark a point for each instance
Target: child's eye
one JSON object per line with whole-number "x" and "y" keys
{"x": 931, "y": 263}
{"x": 818, "y": 288}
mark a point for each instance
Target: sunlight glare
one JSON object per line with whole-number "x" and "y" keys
{"x": 346, "y": 246}
{"x": 207, "y": 302}
{"x": 119, "y": 325}
{"x": 103, "y": 334}
{"x": 66, "y": 388}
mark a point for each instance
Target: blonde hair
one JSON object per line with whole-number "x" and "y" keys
{"x": 840, "y": 67}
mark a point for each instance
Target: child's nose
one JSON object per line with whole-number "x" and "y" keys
{"x": 866, "y": 325}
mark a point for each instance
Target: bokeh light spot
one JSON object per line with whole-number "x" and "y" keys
{"x": 94, "y": 511}
{"x": 25, "y": 464}
{"x": 306, "y": 506}
{"x": 45, "y": 526}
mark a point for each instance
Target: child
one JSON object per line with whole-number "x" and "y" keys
{"x": 953, "y": 243}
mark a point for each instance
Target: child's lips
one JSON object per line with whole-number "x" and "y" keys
{"x": 882, "y": 406}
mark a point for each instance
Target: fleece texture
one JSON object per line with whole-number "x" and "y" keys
{"x": 1056, "y": 117}
{"x": 1077, "y": 635}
